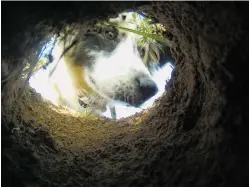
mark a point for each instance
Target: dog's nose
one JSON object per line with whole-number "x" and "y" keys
{"x": 147, "y": 87}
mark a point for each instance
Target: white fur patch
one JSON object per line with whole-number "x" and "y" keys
{"x": 117, "y": 70}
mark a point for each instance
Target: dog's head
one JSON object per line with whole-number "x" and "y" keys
{"x": 114, "y": 67}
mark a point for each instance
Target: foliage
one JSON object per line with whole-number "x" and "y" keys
{"x": 42, "y": 63}
{"x": 150, "y": 43}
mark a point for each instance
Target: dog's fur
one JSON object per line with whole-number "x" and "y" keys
{"x": 108, "y": 63}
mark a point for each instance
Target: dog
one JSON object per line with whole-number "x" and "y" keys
{"x": 107, "y": 63}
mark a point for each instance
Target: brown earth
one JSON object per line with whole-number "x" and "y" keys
{"x": 195, "y": 135}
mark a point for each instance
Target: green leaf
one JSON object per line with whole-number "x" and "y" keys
{"x": 154, "y": 57}
{"x": 134, "y": 16}
{"x": 147, "y": 20}
{"x": 153, "y": 36}
{"x": 145, "y": 59}
{"x": 155, "y": 50}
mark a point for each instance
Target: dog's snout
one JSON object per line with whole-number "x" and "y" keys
{"x": 147, "y": 87}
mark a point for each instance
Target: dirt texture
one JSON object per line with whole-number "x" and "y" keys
{"x": 195, "y": 135}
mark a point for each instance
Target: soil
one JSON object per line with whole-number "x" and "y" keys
{"x": 196, "y": 134}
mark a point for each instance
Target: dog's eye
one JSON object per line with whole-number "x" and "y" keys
{"x": 110, "y": 35}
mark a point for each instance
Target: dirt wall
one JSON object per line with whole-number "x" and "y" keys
{"x": 195, "y": 135}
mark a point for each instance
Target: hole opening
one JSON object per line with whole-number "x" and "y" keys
{"x": 159, "y": 64}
